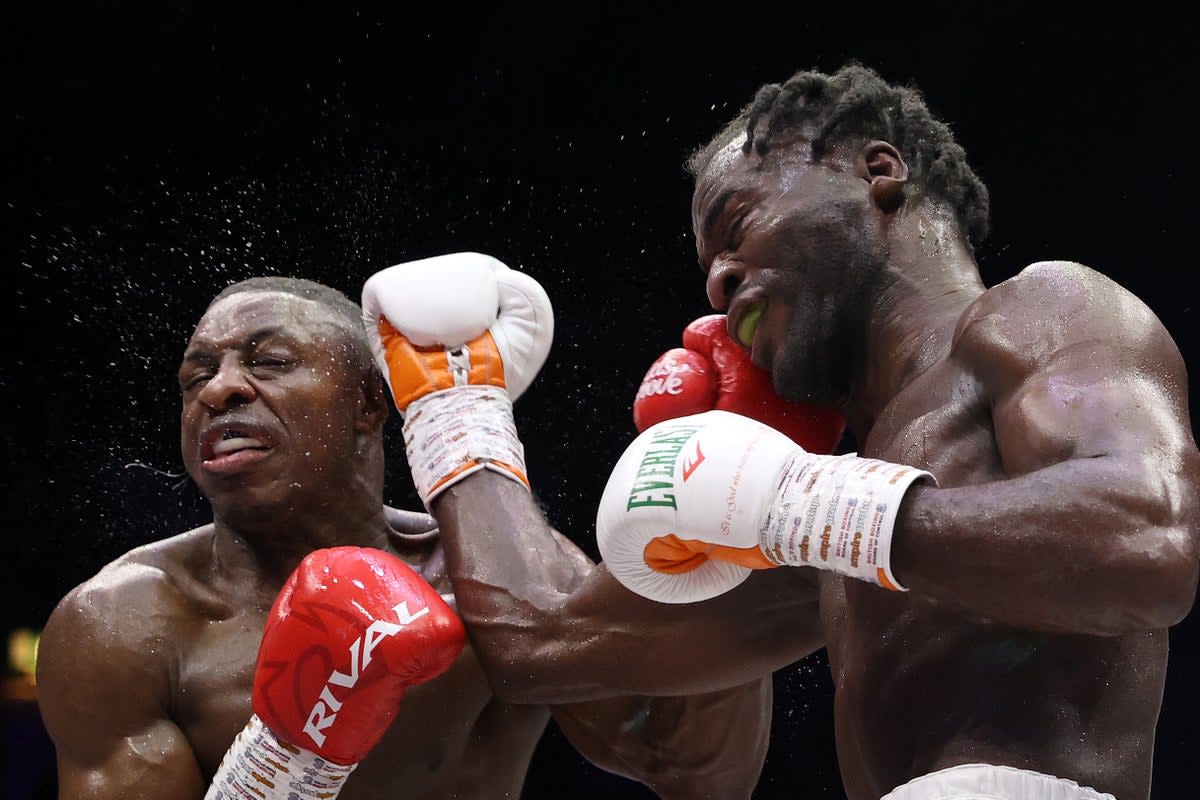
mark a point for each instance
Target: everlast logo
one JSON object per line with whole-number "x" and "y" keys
{"x": 656, "y": 472}
{"x": 324, "y": 712}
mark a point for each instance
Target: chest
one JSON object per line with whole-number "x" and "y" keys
{"x": 941, "y": 423}
{"x": 426, "y": 742}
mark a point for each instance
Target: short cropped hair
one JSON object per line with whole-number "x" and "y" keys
{"x": 855, "y": 105}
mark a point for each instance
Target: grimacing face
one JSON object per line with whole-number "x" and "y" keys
{"x": 270, "y": 402}
{"x": 788, "y": 246}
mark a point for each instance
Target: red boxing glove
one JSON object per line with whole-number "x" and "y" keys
{"x": 711, "y": 371}
{"x": 352, "y": 628}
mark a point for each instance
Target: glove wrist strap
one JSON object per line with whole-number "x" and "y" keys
{"x": 838, "y": 513}
{"x": 456, "y": 432}
{"x": 260, "y": 765}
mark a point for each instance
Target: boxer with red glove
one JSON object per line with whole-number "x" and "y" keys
{"x": 712, "y": 371}
{"x": 351, "y": 629}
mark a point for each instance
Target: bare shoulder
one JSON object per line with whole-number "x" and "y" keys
{"x": 1053, "y": 310}
{"x": 131, "y": 596}
{"x": 118, "y": 629}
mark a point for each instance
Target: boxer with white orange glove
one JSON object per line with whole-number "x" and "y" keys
{"x": 712, "y": 371}
{"x": 695, "y": 504}
{"x": 351, "y": 629}
{"x": 459, "y": 337}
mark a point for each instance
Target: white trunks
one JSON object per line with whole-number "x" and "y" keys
{"x": 989, "y": 782}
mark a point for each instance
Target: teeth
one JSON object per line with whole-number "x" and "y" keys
{"x": 238, "y": 443}
{"x": 749, "y": 323}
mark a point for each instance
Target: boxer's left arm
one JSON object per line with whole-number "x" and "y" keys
{"x": 705, "y": 745}
{"x": 1098, "y": 528}
{"x": 459, "y": 337}
{"x": 711, "y": 744}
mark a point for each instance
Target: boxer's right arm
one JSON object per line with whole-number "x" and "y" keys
{"x": 103, "y": 693}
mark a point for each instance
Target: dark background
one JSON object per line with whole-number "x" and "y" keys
{"x": 163, "y": 151}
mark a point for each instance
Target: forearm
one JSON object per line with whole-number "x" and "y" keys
{"x": 706, "y": 745}
{"x": 509, "y": 583}
{"x": 551, "y": 627}
{"x": 1089, "y": 546}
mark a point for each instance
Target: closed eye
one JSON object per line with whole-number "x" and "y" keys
{"x": 266, "y": 367}
{"x": 192, "y": 381}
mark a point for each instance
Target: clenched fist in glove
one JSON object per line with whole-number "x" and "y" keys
{"x": 459, "y": 337}
{"x": 697, "y": 503}
{"x": 711, "y": 371}
{"x": 352, "y": 628}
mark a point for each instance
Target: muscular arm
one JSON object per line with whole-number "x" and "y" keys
{"x": 705, "y": 745}
{"x": 1097, "y": 530}
{"x": 550, "y": 627}
{"x": 103, "y": 696}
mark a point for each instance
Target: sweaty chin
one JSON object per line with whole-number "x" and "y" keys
{"x": 798, "y": 375}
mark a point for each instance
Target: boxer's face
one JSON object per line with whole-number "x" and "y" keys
{"x": 270, "y": 403}
{"x": 788, "y": 247}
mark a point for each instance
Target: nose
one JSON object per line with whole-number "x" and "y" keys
{"x": 228, "y": 388}
{"x": 724, "y": 278}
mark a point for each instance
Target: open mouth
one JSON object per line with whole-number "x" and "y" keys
{"x": 234, "y": 440}
{"x": 748, "y": 324}
{"x": 230, "y": 447}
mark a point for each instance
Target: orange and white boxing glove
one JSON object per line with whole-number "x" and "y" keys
{"x": 352, "y": 628}
{"x": 459, "y": 337}
{"x": 696, "y": 504}
{"x": 711, "y": 371}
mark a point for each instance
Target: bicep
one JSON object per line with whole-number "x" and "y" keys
{"x": 103, "y": 710}
{"x": 151, "y": 760}
{"x": 713, "y": 742}
{"x": 769, "y": 621}
{"x": 1118, "y": 394}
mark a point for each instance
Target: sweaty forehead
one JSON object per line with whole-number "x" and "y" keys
{"x": 786, "y": 165}
{"x": 716, "y": 176}
{"x": 232, "y": 319}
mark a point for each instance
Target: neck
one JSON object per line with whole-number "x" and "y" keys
{"x": 270, "y": 542}
{"x": 930, "y": 280}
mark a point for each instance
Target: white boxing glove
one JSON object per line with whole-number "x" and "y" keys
{"x": 695, "y": 504}
{"x": 458, "y": 337}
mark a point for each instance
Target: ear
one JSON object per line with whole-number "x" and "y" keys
{"x": 374, "y": 402}
{"x": 884, "y": 167}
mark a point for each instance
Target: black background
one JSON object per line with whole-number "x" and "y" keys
{"x": 163, "y": 151}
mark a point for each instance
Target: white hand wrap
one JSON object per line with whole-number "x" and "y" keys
{"x": 838, "y": 513}
{"x": 259, "y": 766}
{"x": 453, "y": 433}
